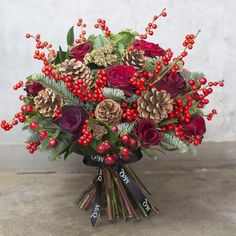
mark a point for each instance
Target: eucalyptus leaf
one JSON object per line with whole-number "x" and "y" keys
{"x": 70, "y": 36}
{"x": 150, "y": 153}
{"x": 100, "y": 42}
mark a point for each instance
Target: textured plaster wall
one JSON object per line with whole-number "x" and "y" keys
{"x": 214, "y": 52}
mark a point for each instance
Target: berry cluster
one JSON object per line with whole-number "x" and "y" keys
{"x": 79, "y": 88}
{"x": 82, "y": 26}
{"x": 101, "y": 24}
{"x": 129, "y": 113}
{"x": 104, "y": 147}
{"x": 32, "y": 146}
{"x": 18, "y": 85}
{"x": 100, "y": 83}
{"x": 86, "y": 136}
{"x": 152, "y": 25}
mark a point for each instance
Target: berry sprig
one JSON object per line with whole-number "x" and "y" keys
{"x": 164, "y": 62}
{"x": 100, "y": 83}
{"x": 86, "y": 138}
{"x": 189, "y": 41}
{"x": 101, "y": 24}
{"x": 104, "y": 147}
{"x": 141, "y": 81}
{"x": 83, "y": 32}
{"x": 211, "y": 114}
{"x": 152, "y": 25}
{"x": 129, "y": 113}
{"x": 18, "y": 85}
{"x": 33, "y": 146}
{"x": 79, "y": 88}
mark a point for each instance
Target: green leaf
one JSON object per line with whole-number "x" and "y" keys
{"x": 61, "y": 56}
{"x": 100, "y": 42}
{"x": 124, "y": 37}
{"x": 33, "y": 138}
{"x": 112, "y": 93}
{"x": 91, "y": 38}
{"x": 70, "y": 36}
{"x": 80, "y": 149}
{"x": 168, "y": 121}
{"x": 150, "y": 152}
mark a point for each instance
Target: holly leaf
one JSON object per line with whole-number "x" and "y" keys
{"x": 100, "y": 42}
{"x": 70, "y": 36}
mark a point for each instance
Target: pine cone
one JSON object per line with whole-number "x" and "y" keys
{"x": 134, "y": 58}
{"x": 47, "y": 102}
{"x": 108, "y": 111}
{"x": 77, "y": 70}
{"x": 154, "y": 104}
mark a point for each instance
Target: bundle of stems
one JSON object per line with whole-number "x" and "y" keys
{"x": 116, "y": 199}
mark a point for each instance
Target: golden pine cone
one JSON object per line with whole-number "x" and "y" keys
{"x": 47, "y": 102}
{"x": 78, "y": 70}
{"x": 154, "y": 104}
{"x": 134, "y": 58}
{"x": 108, "y": 111}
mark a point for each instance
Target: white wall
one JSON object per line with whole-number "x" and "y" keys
{"x": 213, "y": 54}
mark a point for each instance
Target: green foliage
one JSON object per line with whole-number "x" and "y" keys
{"x": 187, "y": 75}
{"x": 168, "y": 121}
{"x": 125, "y": 127}
{"x": 150, "y": 152}
{"x": 100, "y": 41}
{"x": 131, "y": 99}
{"x": 91, "y": 37}
{"x": 57, "y": 87}
{"x": 33, "y": 137}
{"x": 125, "y": 38}
{"x": 171, "y": 143}
{"x": 61, "y": 56}
{"x": 70, "y": 36}
{"x": 112, "y": 93}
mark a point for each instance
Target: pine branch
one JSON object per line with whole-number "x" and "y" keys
{"x": 57, "y": 87}
{"x": 175, "y": 142}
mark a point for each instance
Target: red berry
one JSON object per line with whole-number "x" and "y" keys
{"x": 34, "y": 125}
{"x": 125, "y": 151}
{"x": 52, "y": 143}
{"x": 101, "y": 149}
{"x": 202, "y": 80}
{"x": 125, "y": 139}
{"x": 43, "y": 134}
{"x": 110, "y": 160}
{"x": 133, "y": 142}
{"x": 107, "y": 145}
{"x": 115, "y": 129}
{"x": 164, "y": 14}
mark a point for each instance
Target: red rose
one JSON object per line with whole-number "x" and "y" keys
{"x": 147, "y": 132}
{"x": 173, "y": 83}
{"x": 195, "y": 127}
{"x": 119, "y": 77}
{"x": 33, "y": 88}
{"x": 149, "y": 49}
{"x": 78, "y": 52}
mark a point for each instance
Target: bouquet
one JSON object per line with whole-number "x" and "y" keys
{"x": 112, "y": 98}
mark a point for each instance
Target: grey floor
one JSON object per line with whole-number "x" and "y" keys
{"x": 196, "y": 195}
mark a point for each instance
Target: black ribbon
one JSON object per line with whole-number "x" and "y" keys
{"x": 98, "y": 198}
{"x": 96, "y": 160}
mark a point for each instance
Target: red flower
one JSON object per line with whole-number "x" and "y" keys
{"x": 79, "y": 52}
{"x": 147, "y": 132}
{"x": 33, "y": 88}
{"x": 119, "y": 77}
{"x": 149, "y": 49}
{"x": 195, "y": 127}
{"x": 173, "y": 83}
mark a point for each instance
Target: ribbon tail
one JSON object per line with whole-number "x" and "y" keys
{"x": 98, "y": 199}
{"x": 135, "y": 191}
